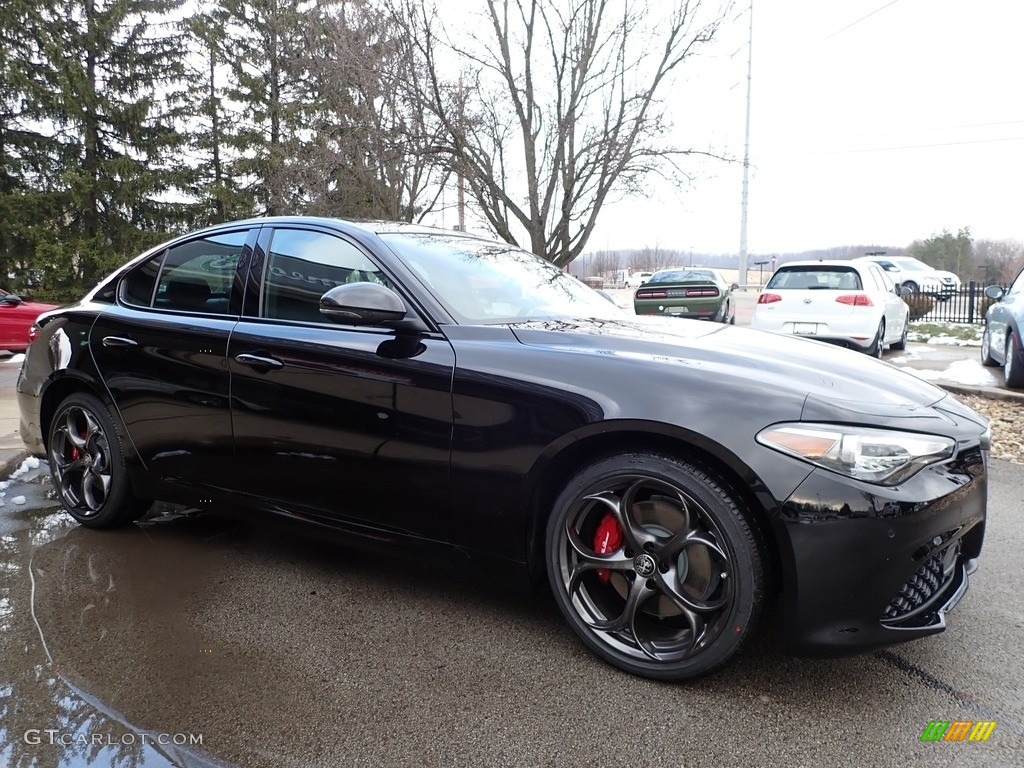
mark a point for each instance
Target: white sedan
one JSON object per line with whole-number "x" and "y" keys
{"x": 851, "y": 303}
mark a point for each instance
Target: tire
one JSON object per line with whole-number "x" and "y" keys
{"x": 875, "y": 350}
{"x": 1013, "y": 371}
{"x": 900, "y": 345}
{"x": 87, "y": 465}
{"x": 654, "y": 604}
{"x": 914, "y": 287}
{"x": 986, "y": 349}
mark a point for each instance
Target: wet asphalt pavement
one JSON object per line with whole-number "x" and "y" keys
{"x": 274, "y": 649}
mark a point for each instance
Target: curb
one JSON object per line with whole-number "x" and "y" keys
{"x": 987, "y": 392}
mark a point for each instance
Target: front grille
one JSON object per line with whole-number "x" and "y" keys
{"x": 928, "y": 581}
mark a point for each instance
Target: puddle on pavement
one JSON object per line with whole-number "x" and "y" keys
{"x": 272, "y": 648}
{"x": 71, "y": 603}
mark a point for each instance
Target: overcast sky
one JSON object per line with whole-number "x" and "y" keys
{"x": 872, "y": 122}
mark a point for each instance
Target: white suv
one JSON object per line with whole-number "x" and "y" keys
{"x": 638, "y": 278}
{"x": 918, "y": 276}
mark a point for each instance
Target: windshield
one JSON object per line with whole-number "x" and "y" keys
{"x": 683, "y": 275}
{"x": 483, "y": 282}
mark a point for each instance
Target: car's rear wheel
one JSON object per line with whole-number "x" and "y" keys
{"x": 1013, "y": 372}
{"x": 87, "y": 465}
{"x": 986, "y": 349}
{"x": 910, "y": 284}
{"x": 875, "y": 350}
{"x": 655, "y": 566}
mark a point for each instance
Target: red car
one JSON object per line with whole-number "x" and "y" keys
{"x": 16, "y": 318}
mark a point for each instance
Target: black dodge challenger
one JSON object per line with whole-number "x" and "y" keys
{"x": 670, "y": 479}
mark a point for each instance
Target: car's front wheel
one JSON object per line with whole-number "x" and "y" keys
{"x": 87, "y": 465}
{"x": 1013, "y": 372}
{"x": 655, "y": 565}
{"x": 986, "y": 349}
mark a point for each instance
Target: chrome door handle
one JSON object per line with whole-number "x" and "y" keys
{"x": 118, "y": 342}
{"x": 256, "y": 361}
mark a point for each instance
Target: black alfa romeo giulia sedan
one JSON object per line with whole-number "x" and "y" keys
{"x": 669, "y": 479}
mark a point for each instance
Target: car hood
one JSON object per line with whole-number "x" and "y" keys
{"x": 835, "y": 380}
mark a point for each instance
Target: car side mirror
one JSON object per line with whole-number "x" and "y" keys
{"x": 994, "y": 292}
{"x": 362, "y": 304}
{"x": 735, "y": 286}
{"x": 12, "y": 299}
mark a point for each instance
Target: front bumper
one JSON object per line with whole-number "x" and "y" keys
{"x": 885, "y": 568}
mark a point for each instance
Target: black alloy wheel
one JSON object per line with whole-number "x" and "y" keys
{"x": 655, "y": 566}
{"x": 87, "y": 465}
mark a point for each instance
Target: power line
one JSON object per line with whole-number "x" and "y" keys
{"x": 855, "y": 23}
{"x": 893, "y": 149}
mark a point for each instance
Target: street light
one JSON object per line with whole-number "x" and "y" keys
{"x": 760, "y": 270}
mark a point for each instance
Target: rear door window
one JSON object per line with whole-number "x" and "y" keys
{"x": 195, "y": 276}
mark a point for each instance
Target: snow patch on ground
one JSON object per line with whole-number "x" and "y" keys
{"x": 27, "y": 465}
{"x": 18, "y": 358}
{"x": 966, "y": 372}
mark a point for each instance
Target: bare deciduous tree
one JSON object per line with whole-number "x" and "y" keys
{"x": 652, "y": 259}
{"x": 997, "y": 260}
{"x": 557, "y": 107}
{"x": 366, "y": 144}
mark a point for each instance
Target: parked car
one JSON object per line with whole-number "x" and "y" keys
{"x": 1004, "y": 322}
{"x": 850, "y": 303}
{"x": 637, "y": 279}
{"x": 917, "y": 276}
{"x": 17, "y": 317}
{"x": 695, "y": 292}
{"x": 669, "y": 481}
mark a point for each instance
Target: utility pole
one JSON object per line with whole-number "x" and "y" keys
{"x": 746, "y": 156}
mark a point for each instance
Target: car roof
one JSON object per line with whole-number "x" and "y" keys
{"x": 378, "y": 227}
{"x": 852, "y": 263}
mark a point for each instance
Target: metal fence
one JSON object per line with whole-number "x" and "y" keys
{"x": 967, "y": 305}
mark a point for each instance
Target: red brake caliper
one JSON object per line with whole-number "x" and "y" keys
{"x": 607, "y": 538}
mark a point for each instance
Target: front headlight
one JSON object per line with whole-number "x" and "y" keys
{"x": 874, "y": 455}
